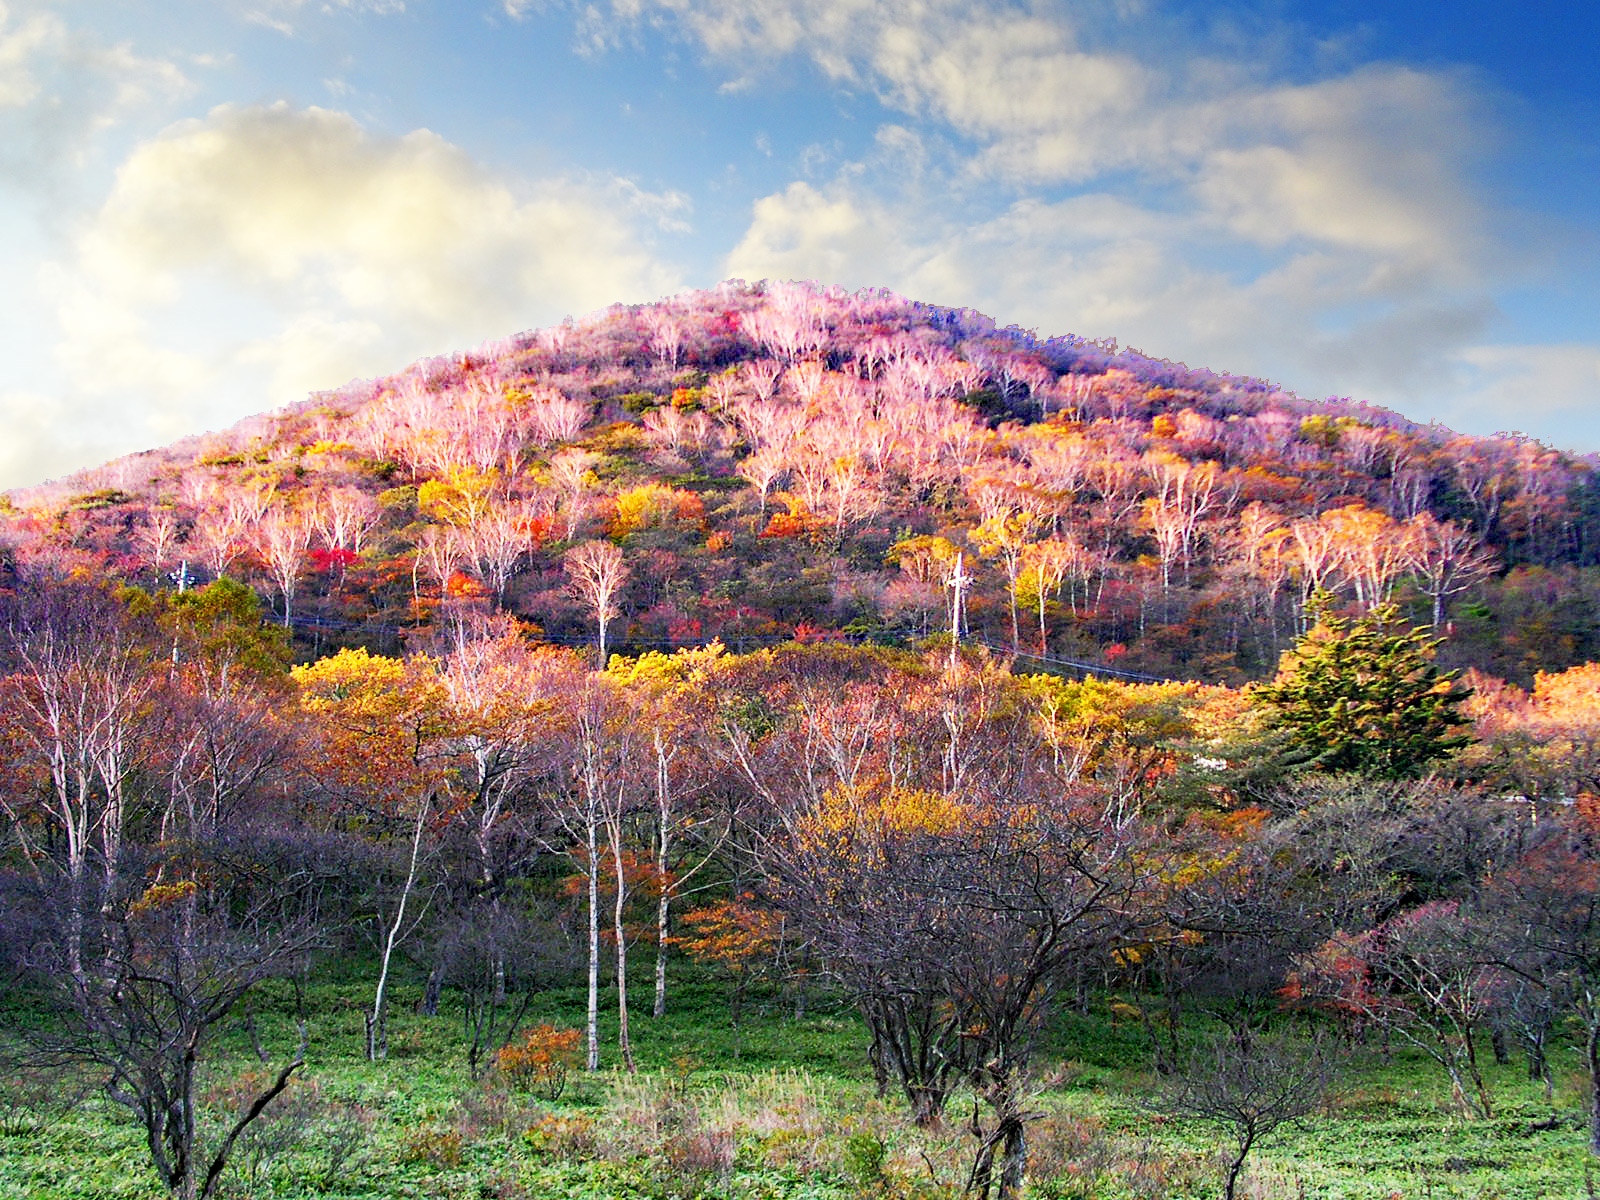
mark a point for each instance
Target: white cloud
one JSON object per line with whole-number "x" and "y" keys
{"x": 39, "y": 442}
{"x": 1073, "y": 266}
{"x": 305, "y": 203}
{"x": 1533, "y": 389}
{"x": 1374, "y": 160}
{"x": 277, "y": 15}
{"x": 1014, "y": 79}
{"x": 268, "y": 21}
{"x": 20, "y": 43}
{"x": 1271, "y": 195}
{"x": 1100, "y": 265}
{"x": 1040, "y": 106}
{"x": 759, "y": 28}
{"x": 379, "y": 8}
{"x": 345, "y": 253}
{"x": 1062, "y": 173}
{"x": 802, "y": 233}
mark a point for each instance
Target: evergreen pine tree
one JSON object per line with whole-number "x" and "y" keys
{"x": 1363, "y": 694}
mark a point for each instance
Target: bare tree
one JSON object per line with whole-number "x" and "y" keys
{"x": 1446, "y": 558}
{"x": 158, "y": 536}
{"x": 441, "y": 552}
{"x": 954, "y": 919}
{"x": 344, "y": 516}
{"x": 1546, "y": 926}
{"x": 485, "y": 949}
{"x": 282, "y": 537}
{"x": 1250, "y": 1084}
{"x": 599, "y": 793}
{"x": 173, "y": 959}
{"x": 597, "y": 573}
{"x": 76, "y": 707}
{"x": 571, "y": 474}
{"x": 499, "y": 538}
{"x": 222, "y": 527}
{"x": 1424, "y": 976}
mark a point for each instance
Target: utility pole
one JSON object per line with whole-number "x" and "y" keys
{"x": 957, "y": 584}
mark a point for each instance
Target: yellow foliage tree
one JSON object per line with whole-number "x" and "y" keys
{"x": 381, "y": 733}
{"x": 653, "y": 506}
{"x": 462, "y": 498}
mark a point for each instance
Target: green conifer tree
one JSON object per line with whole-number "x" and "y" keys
{"x": 1363, "y": 694}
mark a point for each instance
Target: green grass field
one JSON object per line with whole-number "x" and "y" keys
{"x": 780, "y": 1108}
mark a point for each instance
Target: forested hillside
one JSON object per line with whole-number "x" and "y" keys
{"x": 584, "y": 712}
{"x": 787, "y": 460}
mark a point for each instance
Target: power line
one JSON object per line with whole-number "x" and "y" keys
{"x": 1086, "y": 667}
{"x": 741, "y": 643}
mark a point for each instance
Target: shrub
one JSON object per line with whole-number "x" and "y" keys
{"x": 700, "y": 1154}
{"x": 302, "y": 1121}
{"x": 433, "y": 1145}
{"x": 864, "y": 1155}
{"x": 554, "y": 1136}
{"x": 34, "y": 1095}
{"x": 541, "y": 1062}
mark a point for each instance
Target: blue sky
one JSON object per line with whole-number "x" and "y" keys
{"x": 212, "y": 207}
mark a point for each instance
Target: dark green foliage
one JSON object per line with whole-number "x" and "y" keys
{"x": 382, "y": 469}
{"x": 1363, "y": 694}
{"x": 221, "y": 624}
{"x": 787, "y": 590}
{"x": 1534, "y": 619}
{"x": 988, "y": 401}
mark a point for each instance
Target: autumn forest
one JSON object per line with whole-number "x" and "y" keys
{"x": 984, "y": 712}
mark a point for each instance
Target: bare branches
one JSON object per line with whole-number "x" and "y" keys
{"x": 597, "y": 573}
{"x": 1251, "y": 1084}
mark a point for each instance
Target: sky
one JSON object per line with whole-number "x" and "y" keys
{"x": 210, "y": 208}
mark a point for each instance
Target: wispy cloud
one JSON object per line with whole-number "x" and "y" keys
{"x": 279, "y": 15}
{"x": 60, "y": 88}
{"x": 1515, "y": 387}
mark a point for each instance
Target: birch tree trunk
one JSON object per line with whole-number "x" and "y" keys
{"x": 377, "y": 1019}
{"x": 592, "y": 1021}
{"x": 659, "y": 1008}
{"x": 664, "y": 899}
{"x": 624, "y": 1041}
{"x": 1592, "y": 1061}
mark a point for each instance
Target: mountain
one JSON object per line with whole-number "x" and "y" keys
{"x": 789, "y": 460}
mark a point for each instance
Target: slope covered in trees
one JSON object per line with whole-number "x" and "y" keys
{"x": 756, "y": 463}
{"x": 517, "y": 683}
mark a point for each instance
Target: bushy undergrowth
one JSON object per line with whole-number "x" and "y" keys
{"x": 778, "y": 1109}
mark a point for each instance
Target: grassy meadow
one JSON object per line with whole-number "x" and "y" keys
{"x": 778, "y": 1107}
